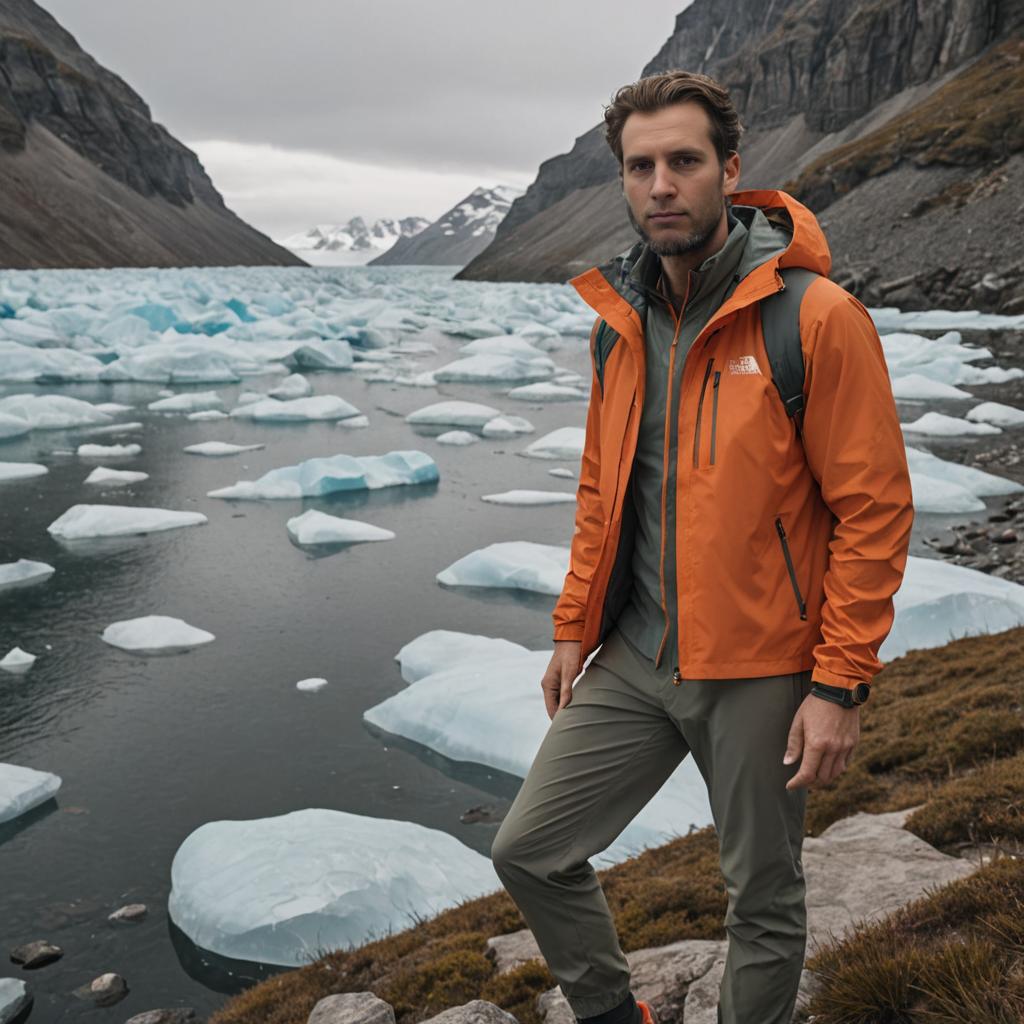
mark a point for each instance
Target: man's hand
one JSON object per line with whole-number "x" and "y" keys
{"x": 822, "y": 738}
{"x": 561, "y": 671}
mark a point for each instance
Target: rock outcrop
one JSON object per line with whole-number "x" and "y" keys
{"x": 87, "y": 179}
{"x": 911, "y": 100}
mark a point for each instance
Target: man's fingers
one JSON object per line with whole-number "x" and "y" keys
{"x": 808, "y": 767}
{"x": 828, "y": 768}
{"x": 795, "y": 742}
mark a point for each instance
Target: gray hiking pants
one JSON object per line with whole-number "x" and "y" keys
{"x": 603, "y": 757}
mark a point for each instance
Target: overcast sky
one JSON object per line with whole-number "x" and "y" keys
{"x": 312, "y": 111}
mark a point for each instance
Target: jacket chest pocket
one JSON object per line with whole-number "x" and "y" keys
{"x": 710, "y": 388}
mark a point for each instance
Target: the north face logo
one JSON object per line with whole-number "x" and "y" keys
{"x": 745, "y": 364}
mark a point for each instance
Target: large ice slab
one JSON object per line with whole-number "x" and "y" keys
{"x": 517, "y": 564}
{"x": 297, "y": 410}
{"x": 23, "y": 788}
{"x": 84, "y": 521}
{"x": 108, "y": 451}
{"x": 316, "y": 477}
{"x": 938, "y": 424}
{"x": 489, "y": 710}
{"x": 21, "y": 470}
{"x": 444, "y": 648}
{"x": 453, "y": 413}
{"x": 220, "y": 448}
{"x": 942, "y": 486}
{"x": 281, "y": 890}
{"x": 105, "y": 477}
{"x": 190, "y": 401}
{"x": 563, "y": 443}
{"x": 52, "y": 412}
{"x": 152, "y": 633}
{"x": 487, "y": 366}
{"x": 524, "y": 496}
{"x": 939, "y": 602}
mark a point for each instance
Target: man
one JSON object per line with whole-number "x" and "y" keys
{"x": 734, "y": 568}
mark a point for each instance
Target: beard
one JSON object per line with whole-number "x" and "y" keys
{"x": 704, "y": 226}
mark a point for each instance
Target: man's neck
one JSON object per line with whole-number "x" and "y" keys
{"x": 675, "y": 270}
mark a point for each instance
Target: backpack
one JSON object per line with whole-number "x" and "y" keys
{"x": 780, "y": 324}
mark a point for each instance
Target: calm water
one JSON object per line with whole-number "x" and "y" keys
{"x": 150, "y": 748}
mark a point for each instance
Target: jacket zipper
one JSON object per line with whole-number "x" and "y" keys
{"x": 664, "y": 476}
{"x": 700, "y": 405}
{"x": 714, "y": 415}
{"x": 789, "y": 565}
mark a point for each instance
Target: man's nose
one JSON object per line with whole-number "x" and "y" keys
{"x": 663, "y": 183}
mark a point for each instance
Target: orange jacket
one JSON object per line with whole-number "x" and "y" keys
{"x": 836, "y": 505}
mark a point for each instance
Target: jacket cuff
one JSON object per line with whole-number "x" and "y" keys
{"x": 569, "y": 631}
{"x": 820, "y": 675}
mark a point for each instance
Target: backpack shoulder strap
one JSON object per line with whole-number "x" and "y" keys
{"x": 604, "y": 339}
{"x": 780, "y": 325}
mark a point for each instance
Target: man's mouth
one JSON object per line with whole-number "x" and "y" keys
{"x": 665, "y": 216}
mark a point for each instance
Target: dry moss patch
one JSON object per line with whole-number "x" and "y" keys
{"x": 944, "y": 728}
{"x": 973, "y": 120}
{"x": 955, "y": 956}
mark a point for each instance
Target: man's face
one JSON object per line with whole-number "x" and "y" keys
{"x": 674, "y": 186}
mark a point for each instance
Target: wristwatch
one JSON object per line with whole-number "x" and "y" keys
{"x": 847, "y": 698}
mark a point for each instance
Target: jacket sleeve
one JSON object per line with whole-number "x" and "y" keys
{"x": 856, "y": 452}
{"x": 588, "y": 531}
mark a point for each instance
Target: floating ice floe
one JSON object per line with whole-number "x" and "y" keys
{"x": 17, "y": 661}
{"x": 488, "y": 709}
{"x": 194, "y": 401}
{"x": 457, "y": 437}
{"x": 23, "y": 788}
{"x": 315, "y": 477}
{"x": 507, "y": 426}
{"x": 21, "y": 470}
{"x": 85, "y": 521}
{"x": 112, "y": 428}
{"x": 486, "y": 367}
{"x": 12, "y": 427}
{"x": 516, "y": 564}
{"x": 280, "y": 890}
{"x": 891, "y": 318}
{"x": 207, "y": 414}
{"x": 443, "y": 648}
{"x": 293, "y": 386}
{"x": 220, "y": 448}
{"x": 562, "y": 471}
{"x": 104, "y": 451}
{"x": 115, "y": 477}
{"x": 311, "y": 685}
{"x": 23, "y": 572}
{"x": 918, "y": 387}
{"x": 297, "y": 410}
{"x": 313, "y": 527}
{"x": 528, "y": 497}
{"x": 52, "y": 412}
{"x": 997, "y": 413}
{"x": 353, "y": 422}
{"x": 942, "y": 359}
{"x": 453, "y": 413}
{"x": 563, "y": 443}
{"x": 938, "y": 424}
{"x": 502, "y": 344}
{"x": 152, "y": 633}
{"x": 942, "y": 486}
{"x": 15, "y": 998}
{"x": 546, "y": 391}
{"x": 24, "y": 365}
{"x": 938, "y": 602}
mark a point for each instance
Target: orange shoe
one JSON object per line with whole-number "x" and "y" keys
{"x": 649, "y": 1016}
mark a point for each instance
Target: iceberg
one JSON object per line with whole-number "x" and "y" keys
{"x": 938, "y": 602}
{"x": 22, "y": 788}
{"x": 15, "y": 998}
{"x": 546, "y": 391}
{"x": 311, "y": 685}
{"x": 12, "y": 427}
{"x": 17, "y": 661}
{"x": 23, "y": 572}
{"x": 281, "y": 890}
{"x": 293, "y": 386}
{"x": 316, "y": 477}
{"x": 195, "y": 401}
{"x": 87, "y": 521}
{"x": 23, "y": 365}
{"x": 563, "y": 472}
{"x": 457, "y": 437}
{"x": 114, "y": 477}
{"x": 207, "y": 414}
{"x": 528, "y": 497}
{"x": 563, "y": 443}
{"x": 105, "y": 451}
{"x": 489, "y": 710}
{"x": 942, "y": 486}
{"x": 498, "y": 367}
{"x": 507, "y": 426}
{"x": 297, "y": 410}
{"x": 52, "y": 412}
{"x": 918, "y": 387}
{"x": 314, "y": 527}
{"x": 940, "y": 425}
{"x": 21, "y": 470}
{"x": 516, "y": 564}
{"x": 152, "y": 633}
{"x": 502, "y": 344}
{"x": 454, "y": 414}
{"x": 445, "y": 648}
{"x": 220, "y": 448}
{"x": 996, "y": 413}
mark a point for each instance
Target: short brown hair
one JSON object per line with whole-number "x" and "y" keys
{"x": 657, "y": 91}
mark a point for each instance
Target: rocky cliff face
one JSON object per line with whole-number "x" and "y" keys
{"x": 812, "y": 79}
{"x": 87, "y": 178}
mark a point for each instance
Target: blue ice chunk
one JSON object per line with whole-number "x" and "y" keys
{"x": 240, "y": 310}
{"x": 6, "y": 311}
{"x": 158, "y": 316}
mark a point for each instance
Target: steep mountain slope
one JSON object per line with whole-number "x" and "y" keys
{"x": 87, "y": 179}
{"x": 459, "y": 234}
{"x": 816, "y": 78}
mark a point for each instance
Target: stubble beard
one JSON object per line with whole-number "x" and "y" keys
{"x": 684, "y": 244}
